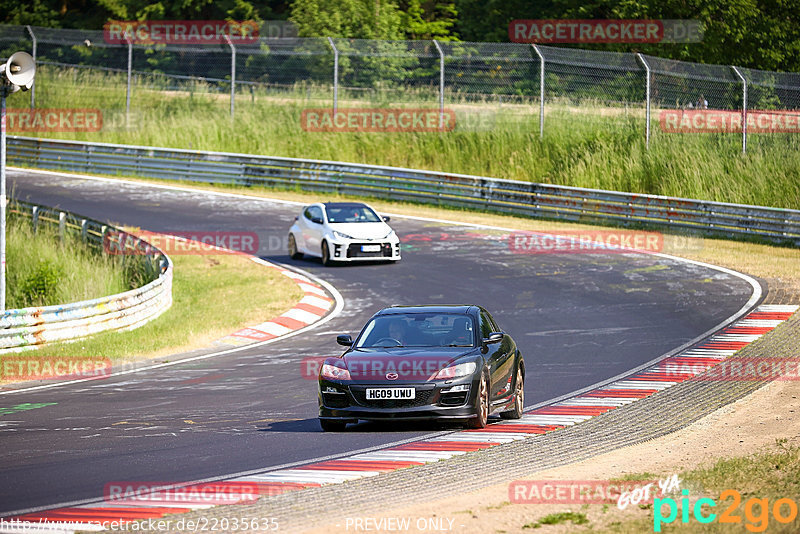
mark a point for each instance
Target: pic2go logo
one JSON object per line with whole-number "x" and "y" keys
{"x": 756, "y": 511}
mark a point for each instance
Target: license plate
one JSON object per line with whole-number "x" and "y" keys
{"x": 390, "y": 393}
{"x": 370, "y": 248}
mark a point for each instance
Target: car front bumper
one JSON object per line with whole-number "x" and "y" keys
{"x": 353, "y": 250}
{"x": 430, "y": 402}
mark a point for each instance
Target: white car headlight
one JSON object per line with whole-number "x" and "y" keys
{"x": 455, "y": 371}
{"x": 340, "y": 235}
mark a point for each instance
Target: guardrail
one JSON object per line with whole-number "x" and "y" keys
{"x": 26, "y": 327}
{"x": 509, "y": 196}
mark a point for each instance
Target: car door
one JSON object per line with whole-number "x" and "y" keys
{"x": 313, "y": 229}
{"x": 500, "y": 358}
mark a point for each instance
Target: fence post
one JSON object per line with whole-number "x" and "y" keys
{"x": 744, "y": 108}
{"x": 441, "y": 83}
{"x": 34, "y": 218}
{"x": 647, "y": 100}
{"x": 541, "y": 90}
{"x": 62, "y": 225}
{"x": 33, "y": 53}
{"x": 335, "y": 75}
{"x": 128, "y": 88}
{"x": 233, "y": 72}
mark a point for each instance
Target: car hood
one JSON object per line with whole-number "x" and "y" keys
{"x": 408, "y": 364}
{"x": 363, "y": 230}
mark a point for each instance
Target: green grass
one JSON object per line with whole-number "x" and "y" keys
{"x": 43, "y": 270}
{"x": 212, "y": 297}
{"x": 561, "y": 517}
{"x": 588, "y": 146}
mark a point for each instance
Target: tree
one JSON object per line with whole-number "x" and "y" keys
{"x": 355, "y": 19}
{"x": 431, "y": 19}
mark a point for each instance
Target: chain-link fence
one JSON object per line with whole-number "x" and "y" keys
{"x": 651, "y": 93}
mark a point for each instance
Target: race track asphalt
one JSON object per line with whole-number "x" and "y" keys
{"x": 578, "y": 319}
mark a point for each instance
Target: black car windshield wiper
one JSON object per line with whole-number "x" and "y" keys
{"x": 457, "y": 345}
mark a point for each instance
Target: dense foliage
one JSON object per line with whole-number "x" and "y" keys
{"x": 761, "y": 34}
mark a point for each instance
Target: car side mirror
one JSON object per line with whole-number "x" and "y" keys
{"x": 316, "y": 220}
{"x": 386, "y": 218}
{"x": 345, "y": 340}
{"x": 494, "y": 337}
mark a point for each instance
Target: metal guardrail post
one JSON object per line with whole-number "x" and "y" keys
{"x": 541, "y": 90}
{"x": 33, "y": 54}
{"x": 34, "y": 219}
{"x": 233, "y": 72}
{"x": 441, "y": 83}
{"x": 335, "y": 75}
{"x": 640, "y": 57}
{"x": 128, "y": 87}
{"x": 84, "y": 230}
{"x": 62, "y": 225}
{"x": 744, "y": 108}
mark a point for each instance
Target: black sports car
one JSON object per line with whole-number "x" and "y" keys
{"x": 423, "y": 362}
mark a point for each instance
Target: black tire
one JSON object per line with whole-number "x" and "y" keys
{"x": 326, "y": 254}
{"x": 293, "y": 253}
{"x": 519, "y": 398}
{"x": 329, "y": 425}
{"x": 481, "y": 405}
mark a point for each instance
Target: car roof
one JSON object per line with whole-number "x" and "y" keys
{"x": 344, "y": 204}
{"x": 465, "y": 309}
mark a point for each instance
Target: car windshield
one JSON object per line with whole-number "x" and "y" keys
{"x": 418, "y": 330}
{"x": 354, "y": 213}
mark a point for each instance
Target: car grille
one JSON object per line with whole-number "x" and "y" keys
{"x": 354, "y": 251}
{"x": 335, "y": 400}
{"x": 422, "y": 397}
{"x": 453, "y": 399}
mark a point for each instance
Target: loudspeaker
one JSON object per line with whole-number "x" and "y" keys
{"x": 19, "y": 70}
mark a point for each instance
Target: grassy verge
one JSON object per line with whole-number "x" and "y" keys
{"x": 589, "y": 146}
{"x": 212, "y": 296}
{"x": 43, "y": 270}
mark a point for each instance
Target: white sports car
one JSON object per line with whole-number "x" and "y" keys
{"x": 342, "y": 231}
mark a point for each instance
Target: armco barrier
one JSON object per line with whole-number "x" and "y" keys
{"x": 509, "y": 196}
{"x": 34, "y": 326}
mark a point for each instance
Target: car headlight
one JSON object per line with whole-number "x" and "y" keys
{"x": 341, "y": 235}
{"x": 334, "y": 372}
{"x": 455, "y": 371}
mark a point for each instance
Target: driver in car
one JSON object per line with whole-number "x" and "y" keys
{"x": 398, "y": 331}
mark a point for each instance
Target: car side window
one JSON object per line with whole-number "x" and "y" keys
{"x": 313, "y": 212}
{"x": 487, "y": 325}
